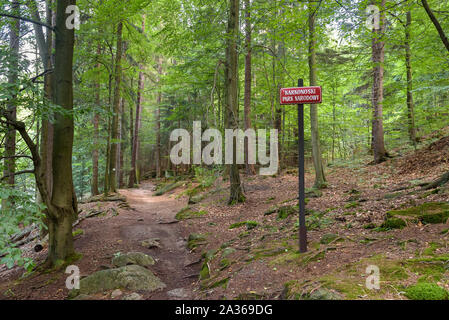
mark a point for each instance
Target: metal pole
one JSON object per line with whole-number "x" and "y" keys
{"x": 302, "y": 204}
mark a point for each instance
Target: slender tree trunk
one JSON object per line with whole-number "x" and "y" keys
{"x": 231, "y": 95}
{"x": 250, "y": 170}
{"x": 96, "y": 121}
{"x": 378, "y": 49}
{"x": 135, "y": 139}
{"x": 320, "y": 180}
{"x": 13, "y": 77}
{"x": 408, "y": 64}
{"x": 436, "y": 23}
{"x": 122, "y": 144}
{"x": 116, "y": 109}
{"x": 158, "y": 121}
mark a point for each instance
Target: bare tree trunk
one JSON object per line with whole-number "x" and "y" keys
{"x": 250, "y": 170}
{"x": 231, "y": 96}
{"x": 135, "y": 139}
{"x": 96, "y": 120}
{"x": 116, "y": 109}
{"x": 13, "y": 77}
{"x": 63, "y": 209}
{"x": 378, "y": 49}
{"x": 158, "y": 121}
{"x": 408, "y": 64}
{"x": 320, "y": 180}
{"x": 437, "y": 24}
{"x": 122, "y": 144}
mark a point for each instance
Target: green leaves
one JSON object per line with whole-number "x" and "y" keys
{"x": 19, "y": 211}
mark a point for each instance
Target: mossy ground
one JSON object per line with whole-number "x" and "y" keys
{"x": 395, "y": 278}
{"x": 427, "y": 213}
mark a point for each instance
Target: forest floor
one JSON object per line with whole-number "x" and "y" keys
{"x": 210, "y": 250}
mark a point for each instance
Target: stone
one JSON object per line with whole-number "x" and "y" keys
{"x": 133, "y": 296}
{"x": 180, "y": 293}
{"x": 116, "y": 293}
{"x": 151, "y": 243}
{"x": 132, "y": 277}
{"x": 133, "y": 258}
{"x": 324, "y": 294}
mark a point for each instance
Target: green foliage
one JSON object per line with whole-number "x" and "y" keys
{"x": 249, "y": 225}
{"x": 426, "y": 291}
{"x": 14, "y": 217}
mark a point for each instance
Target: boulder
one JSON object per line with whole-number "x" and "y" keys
{"x": 132, "y": 277}
{"x": 130, "y": 258}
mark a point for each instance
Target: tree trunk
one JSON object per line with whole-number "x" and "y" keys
{"x": 158, "y": 121}
{"x": 135, "y": 137}
{"x": 231, "y": 95}
{"x": 250, "y": 170}
{"x": 320, "y": 180}
{"x": 408, "y": 64}
{"x": 13, "y": 77}
{"x": 63, "y": 208}
{"x": 378, "y": 50}
{"x": 122, "y": 145}
{"x": 116, "y": 110}
{"x": 96, "y": 120}
{"x": 436, "y": 23}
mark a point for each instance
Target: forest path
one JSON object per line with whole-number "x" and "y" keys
{"x": 155, "y": 218}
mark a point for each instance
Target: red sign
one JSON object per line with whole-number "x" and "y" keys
{"x": 303, "y": 95}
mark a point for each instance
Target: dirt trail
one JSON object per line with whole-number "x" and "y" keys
{"x": 154, "y": 217}
{"x": 103, "y": 236}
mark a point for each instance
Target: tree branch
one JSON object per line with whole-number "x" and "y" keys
{"x": 436, "y": 24}
{"x": 2, "y": 14}
{"x": 16, "y": 174}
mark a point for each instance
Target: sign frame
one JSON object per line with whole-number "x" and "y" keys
{"x": 301, "y": 97}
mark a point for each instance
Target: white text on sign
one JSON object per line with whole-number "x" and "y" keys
{"x": 305, "y": 95}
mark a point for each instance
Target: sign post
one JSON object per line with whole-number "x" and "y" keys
{"x": 301, "y": 95}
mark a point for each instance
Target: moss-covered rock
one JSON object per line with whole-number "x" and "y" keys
{"x": 188, "y": 213}
{"x": 393, "y": 223}
{"x": 323, "y": 294}
{"x": 132, "y": 278}
{"x": 133, "y": 258}
{"x": 313, "y": 193}
{"x": 286, "y": 211}
{"x": 426, "y": 291}
{"x": 195, "y": 240}
{"x": 249, "y": 225}
{"x": 427, "y": 213}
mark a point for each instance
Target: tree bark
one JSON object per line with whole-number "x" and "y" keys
{"x": 13, "y": 77}
{"x": 408, "y": 64}
{"x": 320, "y": 180}
{"x": 436, "y": 23}
{"x": 116, "y": 109}
{"x": 133, "y": 179}
{"x": 250, "y": 170}
{"x": 158, "y": 121}
{"x": 231, "y": 95}
{"x": 96, "y": 121}
{"x": 63, "y": 208}
{"x": 378, "y": 52}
